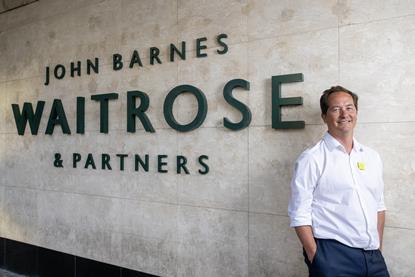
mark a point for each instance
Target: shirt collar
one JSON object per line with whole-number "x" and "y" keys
{"x": 333, "y": 143}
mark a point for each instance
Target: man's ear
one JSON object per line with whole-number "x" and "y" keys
{"x": 323, "y": 116}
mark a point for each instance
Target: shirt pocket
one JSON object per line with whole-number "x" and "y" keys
{"x": 370, "y": 180}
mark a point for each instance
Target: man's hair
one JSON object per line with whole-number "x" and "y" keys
{"x": 324, "y": 99}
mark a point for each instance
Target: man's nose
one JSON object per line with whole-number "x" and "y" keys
{"x": 344, "y": 110}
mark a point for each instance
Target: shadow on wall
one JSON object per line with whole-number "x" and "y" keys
{"x": 6, "y": 6}
{"x": 21, "y": 259}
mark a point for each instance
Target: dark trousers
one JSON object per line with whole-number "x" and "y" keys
{"x": 334, "y": 259}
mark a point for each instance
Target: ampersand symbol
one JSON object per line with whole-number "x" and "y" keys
{"x": 58, "y": 161}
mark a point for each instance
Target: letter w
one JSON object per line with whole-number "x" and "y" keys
{"x": 21, "y": 118}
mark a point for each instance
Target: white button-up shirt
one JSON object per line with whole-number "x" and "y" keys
{"x": 337, "y": 193}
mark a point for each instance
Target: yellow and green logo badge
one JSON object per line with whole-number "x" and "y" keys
{"x": 361, "y": 166}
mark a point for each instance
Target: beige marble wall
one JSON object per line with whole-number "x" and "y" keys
{"x": 232, "y": 221}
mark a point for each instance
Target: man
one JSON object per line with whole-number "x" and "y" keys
{"x": 336, "y": 204}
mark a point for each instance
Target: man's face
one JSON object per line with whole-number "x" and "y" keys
{"x": 341, "y": 115}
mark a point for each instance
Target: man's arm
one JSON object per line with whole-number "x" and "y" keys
{"x": 302, "y": 186}
{"x": 305, "y": 234}
{"x": 381, "y": 225}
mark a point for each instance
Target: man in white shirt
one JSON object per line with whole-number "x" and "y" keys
{"x": 336, "y": 204}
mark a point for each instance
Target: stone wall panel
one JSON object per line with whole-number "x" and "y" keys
{"x": 377, "y": 62}
{"x": 212, "y": 237}
{"x": 398, "y": 264}
{"x": 353, "y": 11}
{"x": 274, "y": 248}
{"x": 267, "y": 18}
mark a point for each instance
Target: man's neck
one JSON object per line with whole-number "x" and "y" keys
{"x": 346, "y": 140}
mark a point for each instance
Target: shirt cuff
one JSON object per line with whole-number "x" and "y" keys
{"x": 300, "y": 222}
{"x": 381, "y": 207}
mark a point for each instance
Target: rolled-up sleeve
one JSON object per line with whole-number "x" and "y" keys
{"x": 381, "y": 199}
{"x": 303, "y": 183}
